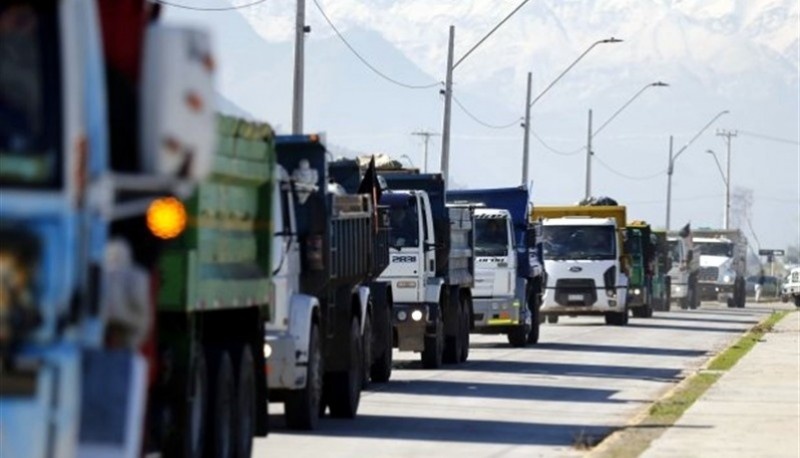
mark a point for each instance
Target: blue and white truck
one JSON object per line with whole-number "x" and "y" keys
{"x": 508, "y": 264}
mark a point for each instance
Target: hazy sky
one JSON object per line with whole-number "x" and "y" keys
{"x": 716, "y": 55}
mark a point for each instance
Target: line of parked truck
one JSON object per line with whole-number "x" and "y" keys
{"x": 166, "y": 271}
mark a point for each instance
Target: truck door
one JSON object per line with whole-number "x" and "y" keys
{"x": 428, "y": 246}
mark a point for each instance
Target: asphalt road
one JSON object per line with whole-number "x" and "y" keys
{"x": 582, "y": 381}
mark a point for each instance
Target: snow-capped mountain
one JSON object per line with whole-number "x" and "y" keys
{"x": 737, "y": 55}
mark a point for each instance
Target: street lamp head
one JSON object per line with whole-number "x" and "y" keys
{"x": 710, "y": 152}
{"x": 659, "y": 84}
{"x": 611, "y": 40}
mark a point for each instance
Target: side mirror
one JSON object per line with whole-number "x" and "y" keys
{"x": 177, "y": 110}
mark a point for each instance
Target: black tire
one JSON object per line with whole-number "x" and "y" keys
{"x": 552, "y": 319}
{"x": 343, "y": 389}
{"x": 434, "y": 349}
{"x": 302, "y": 407}
{"x": 188, "y": 404}
{"x": 366, "y": 347}
{"x": 453, "y": 344}
{"x": 467, "y": 325}
{"x": 381, "y": 368}
{"x": 518, "y": 337}
{"x": 221, "y": 403}
{"x": 644, "y": 311}
{"x": 245, "y": 414}
{"x": 536, "y": 319}
{"x": 797, "y": 301}
{"x": 617, "y": 318}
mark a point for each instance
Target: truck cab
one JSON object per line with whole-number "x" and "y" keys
{"x": 584, "y": 262}
{"x": 431, "y": 267}
{"x": 684, "y": 271}
{"x": 718, "y": 274}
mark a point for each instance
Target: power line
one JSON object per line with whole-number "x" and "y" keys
{"x": 200, "y": 8}
{"x": 769, "y": 137}
{"x": 629, "y": 177}
{"x": 364, "y": 61}
{"x": 484, "y": 123}
{"x": 553, "y": 150}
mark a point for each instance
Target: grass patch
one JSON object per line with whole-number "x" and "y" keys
{"x": 633, "y": 440}
{"x": 728, "y": 358}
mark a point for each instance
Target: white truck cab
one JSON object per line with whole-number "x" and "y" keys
{"x": 584, "y": 275}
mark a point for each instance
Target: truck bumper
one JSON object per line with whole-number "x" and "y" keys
{"x": 637, "y": 296}
{"x": 498, "y": 315}
{"x": 284, "y": 369}
{"x": 715, "y": 291}
{"x": 601, "y": 306}
{"x": 679, "y": 291}
{"x": 412, "y": 322}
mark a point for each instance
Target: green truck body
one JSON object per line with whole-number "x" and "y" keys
{"x": 222, "y": 260}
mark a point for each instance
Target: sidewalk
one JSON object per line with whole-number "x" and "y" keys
{"x": 752, "y": 411}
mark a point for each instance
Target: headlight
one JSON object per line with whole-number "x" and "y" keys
{"x": 416, "y": 315}
{"x": 637, "y": 292}
{"x": 166, "y": 218}
{"x": 726, "y": 279}
{"x": 267, "y": 350}
{"x": 402, "y": 315}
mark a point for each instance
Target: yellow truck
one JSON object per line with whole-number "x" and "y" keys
{"x": 585, "y": 261}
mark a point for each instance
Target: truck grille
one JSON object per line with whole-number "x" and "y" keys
{"x": 708, "y": 274}
{"x": 576, "y": 292}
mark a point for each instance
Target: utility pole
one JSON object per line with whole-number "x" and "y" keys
{"x": 728, "y": 135}
{"x": 448, "y": 98}
{"x": 589, "y": 159}
{"x": 427, "y": 136}
{"x": 526, "y": 139}
{"x": 300, "y": 30}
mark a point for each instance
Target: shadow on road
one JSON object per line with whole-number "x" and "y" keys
{"x": 453, "y": 430}
{"x": 704, "y": 320}
{"x": 593, "y": 348}
{"x": 498, "y": 391}
{"x": 672, "y": 327}
{"x": 573, "y": 370}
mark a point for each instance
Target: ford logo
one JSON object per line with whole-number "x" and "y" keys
{"x": 575, "y": 269}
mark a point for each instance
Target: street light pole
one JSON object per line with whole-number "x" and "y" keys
{"x": 526, "y": 138}
{"x": 589, "y": 159}
{"x": 670, "y": 164}
{"x": 728, "y": 136}
{"x": 672, "y": 159}
{"x": 529, "y": 103}
{"x": 448, "y": 98}
{"x": 300, "y": 30}
{"x": 599, "y": 129}
{"x": 726, "y": 213}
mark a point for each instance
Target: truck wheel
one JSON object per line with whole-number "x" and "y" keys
{"x": 187, "y": 405}
{"x": 552, "y": 319}
{"x": 220, "y": 419}
{"x": 302, "y": 407}
{"x": 381, "y": 368}
{"x": 366, "y": 346}
{"x": 797, "y": 301}
{"x": 518, "y": 337}
{"x": 453, "y": 344}
{"x": 536, "y": 320}
{"x": 434, "y": 347}
{"x": 344, "y": 388}
{"x": 245, "y": 415}
{"x": 466, "y": 318}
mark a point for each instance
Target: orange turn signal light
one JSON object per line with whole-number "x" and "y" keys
{"x": 166, "y": 218}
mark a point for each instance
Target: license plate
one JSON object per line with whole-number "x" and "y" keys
{"x": 575, "y": 297}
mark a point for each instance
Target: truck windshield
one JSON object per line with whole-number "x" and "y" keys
{"x": 30, "y": 95}
{"x": 579, "y": 242}
{"x": 405, "y": 225}
{"x": 715, "y": 249}
{"x": 491, "y": 237}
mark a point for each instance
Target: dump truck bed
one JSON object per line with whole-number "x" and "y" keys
{"x": 589, "y": 211}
